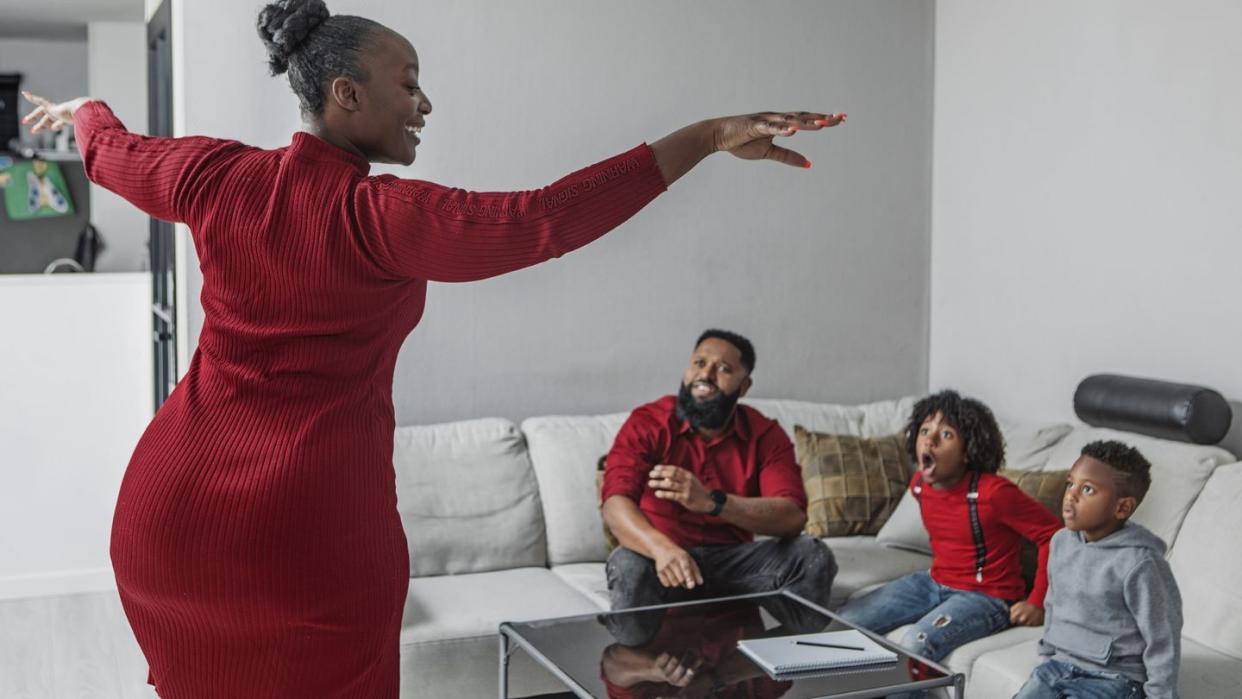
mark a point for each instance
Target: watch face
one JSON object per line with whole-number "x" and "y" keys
{"x": 719, "y": 497}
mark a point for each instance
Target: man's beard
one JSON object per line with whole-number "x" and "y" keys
{"x": 711, "y": 414}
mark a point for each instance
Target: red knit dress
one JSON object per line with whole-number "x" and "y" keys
{"x": 256, "y": 541}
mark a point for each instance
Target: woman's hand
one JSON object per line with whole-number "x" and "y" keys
{"x": 749, "y": 136}
{"x": 49, "y": 115}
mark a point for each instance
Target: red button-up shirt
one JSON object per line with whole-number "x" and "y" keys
{"x": 754, "y": 458}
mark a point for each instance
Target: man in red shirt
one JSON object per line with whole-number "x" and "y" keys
{"x": 692, "y": 478}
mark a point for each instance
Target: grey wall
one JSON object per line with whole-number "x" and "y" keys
{"x": 1087, "y": 216}
{"x": 826, "y": 270}
{"x": 49, "y": 67}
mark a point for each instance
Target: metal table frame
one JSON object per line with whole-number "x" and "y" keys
{"x": 511, "y": 640}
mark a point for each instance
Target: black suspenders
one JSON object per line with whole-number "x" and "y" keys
{"x": 976, "y": 528}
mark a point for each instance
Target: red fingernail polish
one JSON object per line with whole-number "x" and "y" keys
{"x": 807, "y": 165}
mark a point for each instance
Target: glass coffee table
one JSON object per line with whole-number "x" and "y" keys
{"x": 690, "y": 650}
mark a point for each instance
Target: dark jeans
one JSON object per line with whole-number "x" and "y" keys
{"x": 801, "y": 564}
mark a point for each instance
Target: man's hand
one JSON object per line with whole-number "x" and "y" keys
{"x": 677, "y": 671}
{"x": 1026, "y": 614}
{"x": 677, "y": 568}
{"x": 681, "y": 486}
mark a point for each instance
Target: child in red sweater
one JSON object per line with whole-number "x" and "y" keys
{"x": 977, "y": 522}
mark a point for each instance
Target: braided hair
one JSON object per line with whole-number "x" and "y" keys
{"x": 313, "y": 46}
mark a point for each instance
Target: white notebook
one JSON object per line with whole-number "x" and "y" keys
{"x": 783, "y": 655}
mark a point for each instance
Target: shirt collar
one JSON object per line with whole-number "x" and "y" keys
{"x": 737, "y": 424}
{"x": 311, "y": 146}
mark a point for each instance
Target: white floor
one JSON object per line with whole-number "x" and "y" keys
{"x": 69, "y": 647}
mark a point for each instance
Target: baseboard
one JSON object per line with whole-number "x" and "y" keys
{"x": 66, "y": 582}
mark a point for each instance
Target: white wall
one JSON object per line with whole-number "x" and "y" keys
{"x": 1087, "y": 217}
{"x": 117, "y": 74}
{"x": 75, "y": 395}
{"x": 826, "y": 270}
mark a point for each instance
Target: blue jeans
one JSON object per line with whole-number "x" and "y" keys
{"x": 943, "y": 618}
{"x": 1055, "y": 679}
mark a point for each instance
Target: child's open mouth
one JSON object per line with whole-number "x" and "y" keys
{"x": 927, "y": 463}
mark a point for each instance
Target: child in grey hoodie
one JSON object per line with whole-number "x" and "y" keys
{"x": 1114, "y": 613}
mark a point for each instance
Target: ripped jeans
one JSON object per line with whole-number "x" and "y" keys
{"x": 943, "y": 618}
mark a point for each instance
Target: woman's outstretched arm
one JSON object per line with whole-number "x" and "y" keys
{"x": 429, "y": 231}
{"x": 161, "y": 176}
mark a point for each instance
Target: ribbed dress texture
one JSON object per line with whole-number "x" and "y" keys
{"x": 256, "y": 542}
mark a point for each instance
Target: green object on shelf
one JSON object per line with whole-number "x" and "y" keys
{"x": 35, "y": 189}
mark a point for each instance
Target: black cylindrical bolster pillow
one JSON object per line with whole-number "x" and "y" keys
{"x": 1157, "y": 408}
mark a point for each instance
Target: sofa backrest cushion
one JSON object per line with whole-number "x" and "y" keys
{"x": 1028, "y": 445}
{"x": 468, "y": 498}
{"x": 565, "y": 452}
{"x": 1207, "y": 566}
{"x": 1178, "y": 472}
{"x": 869, "y": 420}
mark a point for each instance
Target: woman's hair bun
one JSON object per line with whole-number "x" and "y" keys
{"x": 284, "y": 25}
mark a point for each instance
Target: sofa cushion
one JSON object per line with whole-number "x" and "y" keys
{"x": 589, "y": 579}
{"x": 862, "y": 562}
{"x": 904, "y": 528}
{"x": 1204, "y": 673}
{"x": 1044, "y": 487}
{"x": 1002, "y": 672}
{"x": 564, "y": 452}
{"x": 1047, "y": 488}
{"x": 868, "y": 420}
{"x": 495, "y": 523}
{"x": 450, "y": 607}
{"x": 1208, "y": 568}
{"x": 852, "y": 483}
{"x": 1178, "y": 473}
{"x": 1028, "y": 446}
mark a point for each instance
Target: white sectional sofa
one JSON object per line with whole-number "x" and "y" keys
{"x": 503, "y": 525}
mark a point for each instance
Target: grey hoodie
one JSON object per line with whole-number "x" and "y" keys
{"x": 1113, "y": 606}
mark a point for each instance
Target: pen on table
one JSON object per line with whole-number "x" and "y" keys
{"x": 827, "y": 645}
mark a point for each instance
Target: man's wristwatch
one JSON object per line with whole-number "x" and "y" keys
{"x": 719, "y": 497}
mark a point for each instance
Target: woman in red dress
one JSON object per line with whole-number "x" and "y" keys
{"x": 256, "y": 542}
